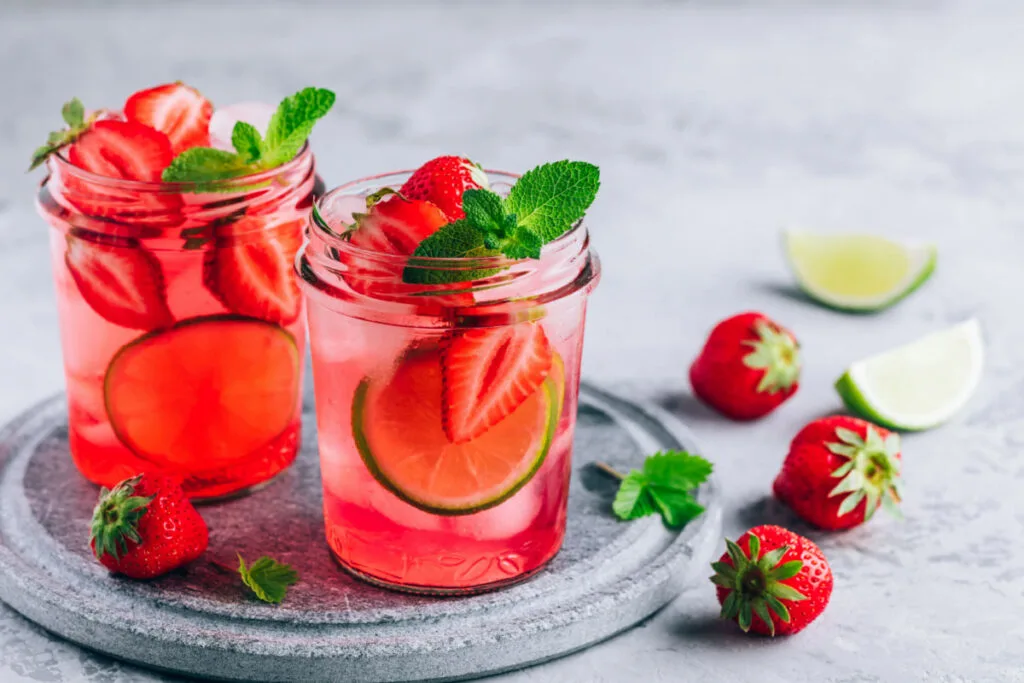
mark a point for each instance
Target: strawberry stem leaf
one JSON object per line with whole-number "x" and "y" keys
{"x": 115, "y": 519}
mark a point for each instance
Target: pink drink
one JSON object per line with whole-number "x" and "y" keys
{"x": 170, "y": 361}
{"x": 405, "y": 504}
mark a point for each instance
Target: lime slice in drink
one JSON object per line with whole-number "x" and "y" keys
{"x": 919, "y": 385}
{"x": 397, "y": 427}
{"x": 204, "y": 393}
{"x": 857, "y": 272}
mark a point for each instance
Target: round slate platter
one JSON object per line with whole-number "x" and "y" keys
{"x": 199, "y": 621}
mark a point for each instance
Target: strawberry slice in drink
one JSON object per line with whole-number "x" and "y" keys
{"x": 122, "y": 150}
{"x": 398, "y": 423}
{"x": 178, "y": 111}
{"x": 488, "y": 373}
{"x": 119, "y": 279}
{"x": 394, "y": 226}
{"x": 249, "y": 268}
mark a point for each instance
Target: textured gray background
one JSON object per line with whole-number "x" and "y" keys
{"x": 715, "y": 124}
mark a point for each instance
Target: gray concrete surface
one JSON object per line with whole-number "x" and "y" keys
{"x": 715, "y": 124}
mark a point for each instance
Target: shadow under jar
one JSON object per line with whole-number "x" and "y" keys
{"x": 182, "y": 326}
{"x": 405, "y": 505}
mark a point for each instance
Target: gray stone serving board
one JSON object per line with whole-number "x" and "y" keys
{"x": 199, "y": 621}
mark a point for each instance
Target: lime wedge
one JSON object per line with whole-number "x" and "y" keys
{"x": 857, "y": 272}
{"x": 919, "y": 385}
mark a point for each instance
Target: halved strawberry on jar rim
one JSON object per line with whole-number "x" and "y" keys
{"x": 177, "y": 110}
{"x": 122, "y": 150}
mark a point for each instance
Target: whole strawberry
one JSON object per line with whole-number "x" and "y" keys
{"x": 839, "y": 471}
{"x": 772, "y": 581}
{"x": 749, "y": 365}
{"x": 146, "y": 526}
{"x": 442, "y": 182}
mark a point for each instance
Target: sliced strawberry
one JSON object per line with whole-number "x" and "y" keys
{"x": 175, "y": 109}
{"x": 252, "y": 275}
{"x": 487, "y": 373}
{"x": 442, "y": 181}
{"x": 122, "y": 149}
{"x": 395, "y": 226}
{"x": 119, "y": 279}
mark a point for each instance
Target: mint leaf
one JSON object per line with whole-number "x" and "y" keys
{"x": 460, "y": 239}
{"x": 287, "y": 132}
{"x": 484, "y": 210}
{"x": 73, "y": 113}
{"x": 551, "y": 198}
{"x": 247, "y": 141}
{"x": 664, "y": 486}
{"x": 267, "y": 578}
{"x": 293, "y": 122}
{"x": 522, "y": 243}
{"x": 633, "y": 499}
{"x": 205, "y": 164}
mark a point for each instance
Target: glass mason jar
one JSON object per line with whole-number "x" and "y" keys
{"x": 406, "y": 506}
{"x": 182, "y": 326}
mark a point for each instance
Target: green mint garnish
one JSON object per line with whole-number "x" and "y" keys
{"x": 544, "y": 204}
{"x": 460, "y": 238}
{"x": 551, "y": 198}
{"x": 288, "y": 129}
{"x": 73, "y": 113}
{"x": 267, "y": 578}
{"x": 664, "y": 486}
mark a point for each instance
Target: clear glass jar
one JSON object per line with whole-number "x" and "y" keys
{"x": 404, "y": 506}
{"x": 182, "y": 326}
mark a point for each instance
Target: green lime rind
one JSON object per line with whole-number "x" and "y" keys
{"x": 858, "y": 404}
{"x": 837, "y": 304}
{"x": 433, "y": 507}
{"x": 110, "y": 375}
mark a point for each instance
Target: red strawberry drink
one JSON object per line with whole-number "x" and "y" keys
{"x": 182, "y": 324}
{"x": 446, "y": 360}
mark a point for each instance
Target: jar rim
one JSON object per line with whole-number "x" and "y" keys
{"x": 568, "y": 240}
{"x": 239, "y": 184}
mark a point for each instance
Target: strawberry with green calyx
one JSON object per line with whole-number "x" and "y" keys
{"x": 545, "y": 203}
{"x": 443, "y": 180}
{"x": 145, "y": 527}
{"x": 287, "y": 132}
{"x": 748, "y": 367}
{"x": 73, "y": 113}
{"x": 664, "y": 486}
{"x": 772, "y": 581}
{"x": 839, "y": 471}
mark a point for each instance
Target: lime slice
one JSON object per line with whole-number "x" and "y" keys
{"x": 857, "y": 272}
{"x": 397, "y": 427}
{"x": 206, "y": 392}
{"x": 919, "y": 385}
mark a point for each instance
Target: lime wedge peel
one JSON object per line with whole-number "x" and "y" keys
{"x": 857, "y": 272}
{"x": 919, "y": 385}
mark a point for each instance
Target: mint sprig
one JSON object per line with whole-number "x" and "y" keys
{"x": 664, "y": 486}
{"x": 545, "y": 203}
{"x": 267, "y": 578}
{"x": 73, "y": 113}
{"x": 289, "y": 127}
